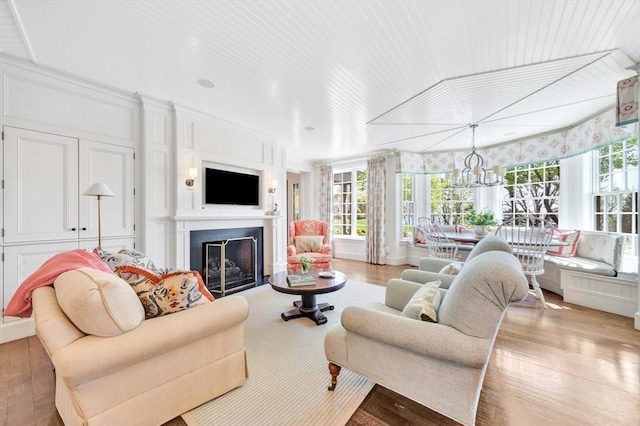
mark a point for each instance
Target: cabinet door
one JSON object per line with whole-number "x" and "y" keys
{"x": 114, "y": 166}
{"x": 22, "y": 261}
{"x": 41, "y": 186}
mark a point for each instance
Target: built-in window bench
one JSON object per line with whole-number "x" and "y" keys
{"x": 591, "y": 277}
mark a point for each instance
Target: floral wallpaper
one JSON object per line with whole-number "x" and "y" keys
{"x": 598, "y": 131}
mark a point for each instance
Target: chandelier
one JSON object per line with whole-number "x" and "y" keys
{"x": 474, "y": 174}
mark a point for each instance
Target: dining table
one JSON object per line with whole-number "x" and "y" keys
{"x": 472, "y": 238}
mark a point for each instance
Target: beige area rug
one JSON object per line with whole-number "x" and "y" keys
{"x": 288, "y": 374}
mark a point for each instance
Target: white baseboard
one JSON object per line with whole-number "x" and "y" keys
{"x": 609, "y": 294}
{"x": 18, "y": 329}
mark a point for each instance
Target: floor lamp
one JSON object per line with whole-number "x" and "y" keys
{"x": 99, "y": 190}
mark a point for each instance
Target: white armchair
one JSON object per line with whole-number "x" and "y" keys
{"x": 440, "y": 365}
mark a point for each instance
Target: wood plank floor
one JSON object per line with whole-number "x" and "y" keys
{"x": 566, "y": 365}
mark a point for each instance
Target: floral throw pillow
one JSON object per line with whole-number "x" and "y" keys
{"x": 128, "y": 257}
{"x": 168, "y": 293}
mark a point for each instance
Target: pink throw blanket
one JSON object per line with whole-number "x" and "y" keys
{"x": 20, "y": 303}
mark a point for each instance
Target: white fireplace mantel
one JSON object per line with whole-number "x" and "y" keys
{"x": 274, "y": 241}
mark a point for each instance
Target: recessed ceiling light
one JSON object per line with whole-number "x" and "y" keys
{"x": 208, "y": 84}
{"x": 310, "y": 128}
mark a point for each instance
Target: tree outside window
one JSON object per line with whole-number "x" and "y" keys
{"x": 408, "y": 206}
{"x": 449, "y": 205}
{"x": 532, "y": 189}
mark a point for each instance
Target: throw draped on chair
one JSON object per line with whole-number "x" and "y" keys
{"x": 309, "y": 238}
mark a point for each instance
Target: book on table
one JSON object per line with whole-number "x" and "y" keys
{"x": 295, "y": 280}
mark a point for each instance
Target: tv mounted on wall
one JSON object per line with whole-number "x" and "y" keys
{"x": 225, "y": 187}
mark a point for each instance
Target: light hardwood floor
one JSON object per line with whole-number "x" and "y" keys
{"x": 566, "y": 365}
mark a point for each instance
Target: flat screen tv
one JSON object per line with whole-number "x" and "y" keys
{"x": 225, "y": 187}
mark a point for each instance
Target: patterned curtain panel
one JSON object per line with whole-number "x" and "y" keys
{"x": 326, "y": 194}
{"x": 376, "y": 195}
{"x": 627, "y": 99}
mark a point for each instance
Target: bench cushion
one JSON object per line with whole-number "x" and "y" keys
{"x": 582, "y": 264}
{"x": 603, "y": 247}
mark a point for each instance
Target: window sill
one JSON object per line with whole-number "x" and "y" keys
{"x": 348, "y": 237}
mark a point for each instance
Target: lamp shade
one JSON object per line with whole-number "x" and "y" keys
{"x": 99, "y": 189}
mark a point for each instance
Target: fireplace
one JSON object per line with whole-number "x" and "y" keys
{"x": 230, "y": 265}
{"x": 229, "y": 260}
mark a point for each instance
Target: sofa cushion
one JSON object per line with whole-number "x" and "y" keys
{"x": 308, "y": 243}
{"x": 424, "y": 303}
{"x": 98, "y": 302}
{"x": 582, "y": 264}
{"x": 571, "y": 238}
{"x": 168, "y": 293}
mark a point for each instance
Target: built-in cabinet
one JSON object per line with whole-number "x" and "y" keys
{"x": 44, "y": 178}
{"x": 60, "y": 135}
{"x": 44, "y": 209}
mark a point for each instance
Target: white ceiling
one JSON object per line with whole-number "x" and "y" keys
{"x": 367, "y": 75}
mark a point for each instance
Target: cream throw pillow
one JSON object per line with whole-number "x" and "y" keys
{"x": 98, "y": 302}
{"x": 425, "y": 303}
{"x": 453, "y": 268}
{"x": 308, "y": 243}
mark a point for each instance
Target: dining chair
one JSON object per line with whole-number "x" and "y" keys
{"x": 438, "y": 245}
{"x": 529, "y": 238}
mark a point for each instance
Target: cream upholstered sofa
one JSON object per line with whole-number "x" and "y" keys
{"x": 148, "y": 371}
{"x": 440, "y": 365}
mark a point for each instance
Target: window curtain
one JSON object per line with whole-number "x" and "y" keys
{"x": 376, "y": 195}
{"x": 627, "y": 101}
{"x": 326, "y": 194}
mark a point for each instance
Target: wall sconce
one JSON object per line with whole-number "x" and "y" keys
{"x": 193, "y": 173}
{"x": 274, "y": 186}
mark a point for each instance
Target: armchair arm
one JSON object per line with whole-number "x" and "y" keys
{"x": 422, "y": 277}
{"x": 399, "y": 292}
{"x": 426, "y": 338}
{"x": 151, "y": 338}
{"x": 326, "y": 249}
{"x": 433, "y": 264}
{"x": 291, "y": 250}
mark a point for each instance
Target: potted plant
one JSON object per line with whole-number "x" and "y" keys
{"x": 481, "y": 219}
{"x": 305, "y": 262}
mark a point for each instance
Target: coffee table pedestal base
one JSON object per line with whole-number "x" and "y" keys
{"x": 307, "y": 307}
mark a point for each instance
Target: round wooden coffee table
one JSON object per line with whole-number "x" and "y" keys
{"x": 307, "y": 306}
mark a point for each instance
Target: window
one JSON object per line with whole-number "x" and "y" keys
{"x": 350, "y": 203}
{"x": 408, "y": 205}
{"x": 532, "y": 189}
{"x": 449, "y": 205}
{"x": 295, "y": 200}
{"x": 616, "y": 190}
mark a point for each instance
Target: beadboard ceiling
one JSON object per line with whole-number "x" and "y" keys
{"x": 366, "y": 75}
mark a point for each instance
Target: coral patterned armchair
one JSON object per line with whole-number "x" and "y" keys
{"x": 309, "y": 238}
